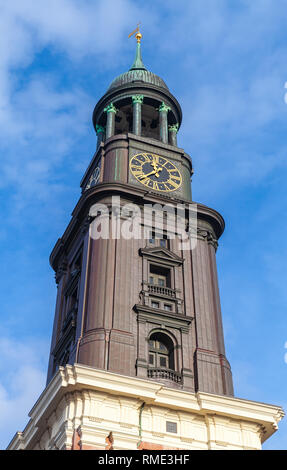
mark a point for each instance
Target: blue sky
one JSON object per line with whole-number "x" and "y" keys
{"x": 226, "y": 64}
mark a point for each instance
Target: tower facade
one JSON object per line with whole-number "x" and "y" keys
{"x": 138, "y": 329}
{"x": 140, "y": 306}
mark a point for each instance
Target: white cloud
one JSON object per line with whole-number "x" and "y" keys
{"x": 44, "y": 125}
{"x": 230, "y": 81}
{"x": 77, "y": 28}
{"x": 45, "y": 120}
{"x": 24, "y": 380}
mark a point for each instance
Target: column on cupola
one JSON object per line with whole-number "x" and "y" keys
{"x": 163, "y": 124}
{"x": 137, "y": 114}
{"x": 100, "y": 130}
{"x": 172, "y": 130}
{"x": 111, "y": 113}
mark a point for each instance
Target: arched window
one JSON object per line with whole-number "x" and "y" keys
{"x": 161, "y": 351}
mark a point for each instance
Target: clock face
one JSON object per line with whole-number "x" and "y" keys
{"x": 155, "y": 172}
{"x": 95, "y": 176}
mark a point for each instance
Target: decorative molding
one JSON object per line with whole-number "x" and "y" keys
{"x": 164, "y": 108}
{"x": 146, "y": 314}
{"x": 138, "y": 99}
{"x": 62, "y": 270}
{"x": 100, "y": 129}
{"x": 162, "y": 254}
{"x": 95, "y": 420}
{"x": 173, "y": 128}
{"x": 207, "y": 235}
{"x": 111, "y": 108}
{"x": 86, "y": 223}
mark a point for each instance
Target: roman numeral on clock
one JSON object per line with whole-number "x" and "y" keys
{"x": 172, "y": 183}
{"x": 138, "y": 172}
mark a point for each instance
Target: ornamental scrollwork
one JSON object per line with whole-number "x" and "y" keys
{"x": 208, "y": 236}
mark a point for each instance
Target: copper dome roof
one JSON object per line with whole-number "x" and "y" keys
{"x": 137, "y": 73}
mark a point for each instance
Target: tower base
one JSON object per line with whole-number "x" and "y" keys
{"x": 84, "y": 408}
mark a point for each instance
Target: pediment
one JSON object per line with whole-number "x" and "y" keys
{"x": 161, "y": 254}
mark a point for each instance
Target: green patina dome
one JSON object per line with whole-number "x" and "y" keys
{"x": 137, "y": 73}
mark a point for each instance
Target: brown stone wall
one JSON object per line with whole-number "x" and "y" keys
{"x": 212, "y": 369}
{"x": 115, "y": 318}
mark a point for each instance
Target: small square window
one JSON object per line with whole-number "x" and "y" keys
{"x": 168, "y": 307}
{"x": 155, "y": 305}
{"x": 171, "y": 427}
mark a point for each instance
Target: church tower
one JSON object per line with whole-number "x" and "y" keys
{"x": 140, "y": 307}
{"x": 137, "y": 356}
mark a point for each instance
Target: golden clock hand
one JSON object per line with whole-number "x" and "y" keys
{"x": 157, "y": 175}
{"x": 155, "y": 162}
{"x": 154, "y": 172}
{"x": 151, "y": 173}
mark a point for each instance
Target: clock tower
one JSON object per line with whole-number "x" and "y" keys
{"x": 137, "y": 355}
{"x": 140, "y": 306}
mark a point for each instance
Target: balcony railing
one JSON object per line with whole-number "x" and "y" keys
{"x": 161, "y": 290}
{"x": 169, "y": 374}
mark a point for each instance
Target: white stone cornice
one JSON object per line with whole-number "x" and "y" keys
{"x": 78, "y": 395}
{"x": 239, "y": 408}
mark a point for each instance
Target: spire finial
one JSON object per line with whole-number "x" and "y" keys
{"x": 137, "y": 33}
{"x": 138, "y": 63}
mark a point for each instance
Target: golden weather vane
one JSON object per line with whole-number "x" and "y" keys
{"x": 137, "y": 33}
